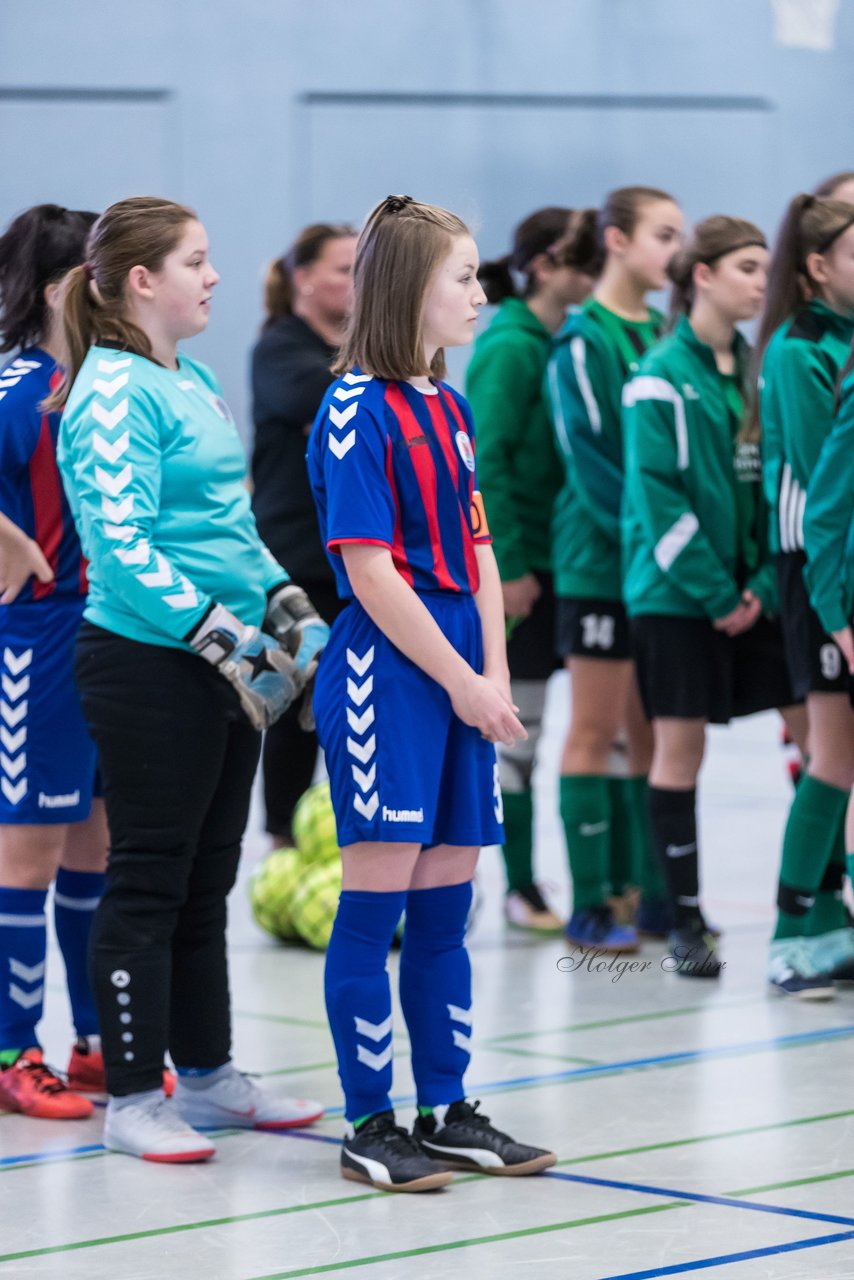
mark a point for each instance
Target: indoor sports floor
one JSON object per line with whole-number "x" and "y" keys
{"x": 698, "y": 1127}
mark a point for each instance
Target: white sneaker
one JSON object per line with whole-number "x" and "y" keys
{"x": 527, "y": 909}
{"x": 152, "y": 1129}
{"x": 233, "y": 1101}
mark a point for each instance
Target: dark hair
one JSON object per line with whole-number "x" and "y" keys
{"x": 306, "y": 249}
{"x": 401, "y": 245}
{"x": 539, "y": 233}
{"x": 810, "y": 224}
{"x": 622, "y": 209}
{"x": 711, "y": 240}
{"x": 36, "y": 249}
{"x": 141, "y": 231}
{"x": 830, "y": 185}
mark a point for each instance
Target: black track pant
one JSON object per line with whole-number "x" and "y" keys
{"x": 177, "y": 758}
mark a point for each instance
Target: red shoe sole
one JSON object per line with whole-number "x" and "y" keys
{"x": 274, "y": 1125}
{"x": 184, "y": 1157}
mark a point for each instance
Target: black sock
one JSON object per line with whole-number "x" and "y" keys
{"x": 673, "y": 819}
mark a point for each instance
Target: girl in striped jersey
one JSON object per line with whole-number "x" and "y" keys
{"x": 804, "y": 340}
{"x": 51, "y": 828}
{"x": 605, "y": 819}
{"x": 699, "y": 578}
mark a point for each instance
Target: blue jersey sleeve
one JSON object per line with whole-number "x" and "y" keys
{"x": 355, "y": 450}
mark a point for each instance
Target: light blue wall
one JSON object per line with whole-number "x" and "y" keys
{"x": 266, "y": 114}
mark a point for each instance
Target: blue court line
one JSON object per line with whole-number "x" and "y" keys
{"x": 729, "y": 1202}
{"x": 725, "y": 1259}
{"x": 52, "y": 1155}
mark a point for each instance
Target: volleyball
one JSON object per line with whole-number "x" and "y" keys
{"x": 272, "y": 889}
{"x": 314, "y": 825}
{"x": 316, "y": 903}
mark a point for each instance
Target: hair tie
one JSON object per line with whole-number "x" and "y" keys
{"x": 88, "y": 272}
{"x": 394, "y": 204}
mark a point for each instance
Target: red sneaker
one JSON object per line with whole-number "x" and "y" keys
{"x": 86, "y": 1070}
{"x": 31, "y": 1088}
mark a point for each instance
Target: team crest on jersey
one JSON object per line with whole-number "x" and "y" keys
{"x": 465, "y": 449}
{"x": 220, "y": 407}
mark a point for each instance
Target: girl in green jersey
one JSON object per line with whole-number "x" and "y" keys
{"x": 520, "y": 471}
{"x": 803, "y": 343}
{"x": 605, "y": 819}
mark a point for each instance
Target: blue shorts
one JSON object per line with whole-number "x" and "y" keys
{"x": 47, "y": 759}
{"x": 402, "y": 765}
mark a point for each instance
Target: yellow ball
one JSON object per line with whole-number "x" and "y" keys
{"x": 272, "y": 888}
{"x": 314, "y": 825}
{"x": 316, "y": 903}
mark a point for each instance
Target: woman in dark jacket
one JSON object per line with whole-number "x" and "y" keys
{"x": 308, "y": 294}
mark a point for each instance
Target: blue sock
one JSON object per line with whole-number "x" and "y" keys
{"x": 435, "y": 991}
{"x": 358, "y": 997}
{"x": 76, "y": 895}
{"x": 23, "y": 948}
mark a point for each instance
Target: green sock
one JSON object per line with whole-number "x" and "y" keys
{"x": 585, "y": 809}
{"x": 518, "y": 838}
{"x": 621, "y": 844}
{"x": 810, "y": 838}
{"x": 357, "y": 1124}
{"x": 425, "y": 1111}
{"x": 828, "y": 912}
{"x": 8, "y": 1057}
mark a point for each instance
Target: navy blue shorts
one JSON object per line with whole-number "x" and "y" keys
{"x": 402, "y": 766}
{"x": 48, "y": 761}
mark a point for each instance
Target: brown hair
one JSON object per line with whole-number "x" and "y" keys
{"x": 306, "y": 249}
{"x": 540, "y": 233}
{"x": 36, "y": 249}
{"x": 832, "y": 184}
{"x": 711, "y": 240}
{"x": 401, "y": 245}
{"x": 584, "y": 247}
{"x": 811, "y": 224}
{"x": 141, "y": 231}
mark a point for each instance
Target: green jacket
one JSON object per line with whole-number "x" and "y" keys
{"x": 518, "y": 467}
{"x": 796, "y": 396}
{"x": 592, "y": 355}
{"x": 695, "y": 527}
{"x": 829, "y": 520}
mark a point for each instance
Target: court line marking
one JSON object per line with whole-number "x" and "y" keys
{"x": 726, "y": 1259}
{"x": 652, "y": 1015}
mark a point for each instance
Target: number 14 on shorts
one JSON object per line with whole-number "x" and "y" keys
{"x": 597, "y": 631}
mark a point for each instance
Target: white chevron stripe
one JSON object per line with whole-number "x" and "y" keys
{"x": 352, "y": 378}
{"x": 17, "y": 662}
{"x": 460, "y": 1015}
{"x": 340, "y": 417}
{"x": 15, "y": 689}
{"x": 28, "y": 973}
{"x": 10, "y": 382}
{"x": 361, "y": 750}
{"x": 111, "y": 452}
{"x": 26, "y": 365}
{"x": 365, "y": 780}
{"x": 376, "y": 1061}
{"x": 375, "y": 1031}
{"x": 119, "y": 533}
{"x": 360, "y": 665}
{"x": 360, "y": 724}
{"x": 342, "y": 447}
{"x": 13, "y": 793}
{"x": 19, "y": 764}
{"x": 14, "y": 715}
{"x": 114, "y": 484}
{"x": 367, "y": 808}
{"x": 140, "y": 554}
{"x": 110, "y": 418}
{"x": 188, "y": 598}
{"x": 159, "y": 577}
{"x": 340, "y": 394}
{"x": 110, "y": 366}
{"x": 462, "y": 1042}
{"x": 117, "y": 512}
{"x": 26, "y": 999}
{"x": 359, "y": 692}
{"x": 110, "y": 388}
{"x": 12, "y": 741}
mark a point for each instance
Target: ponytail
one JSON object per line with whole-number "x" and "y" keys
{"x": 497, "y": 280}
{"x": 542, "y": 232}
{"x": 278, "y": 292}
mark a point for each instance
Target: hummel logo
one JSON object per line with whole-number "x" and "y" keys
{"x": 688, "y": 392}
{"x": 593, "y": 828}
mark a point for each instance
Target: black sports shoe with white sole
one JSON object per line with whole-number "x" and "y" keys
{"x": 385, "y": 1155}
{"x": 465, "y": 1139}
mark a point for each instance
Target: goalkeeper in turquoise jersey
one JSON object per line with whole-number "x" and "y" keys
{"x": 193, "y": 639}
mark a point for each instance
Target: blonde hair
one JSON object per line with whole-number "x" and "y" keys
{"x": 401, "y": 245}
{"x": 141, "y": 231}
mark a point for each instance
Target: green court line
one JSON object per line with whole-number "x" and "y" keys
{"x": 535, "y": 1053}
{"x": 375, "y": 1195}
{"x": 620, "y": 1022}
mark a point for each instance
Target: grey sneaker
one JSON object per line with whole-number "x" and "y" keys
{"x": 152, "y": 1129}
{"x": 227, "y": 1099}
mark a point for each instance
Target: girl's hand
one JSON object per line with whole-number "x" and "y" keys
{"x": 20, "y": 559}
{"x": 844, "y": 639}
{"x": 483, "y": 705}
{"x": 742, "y": 618}
{"x": 520, "y": 595}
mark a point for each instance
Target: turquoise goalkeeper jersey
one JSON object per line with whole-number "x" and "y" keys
{"x": 155, "y": 474}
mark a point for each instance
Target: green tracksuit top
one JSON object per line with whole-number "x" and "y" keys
{"x": 829, "y": 520}
{"x": 797, "y": 388}
{"x": 592, "y": 356}
{"x": 695, "y": 522}
{"x": 519, "y": 470}
{"x": 156, "y": 479}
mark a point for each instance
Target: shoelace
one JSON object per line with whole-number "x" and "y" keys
{"x": 396, "y": 1137}
{"x": 473, "y": 1118}
{"x": 46, "y": 1080}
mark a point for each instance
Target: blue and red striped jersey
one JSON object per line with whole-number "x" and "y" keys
{"x": 31, "y": 492}
{"x": 395, "y": 466}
